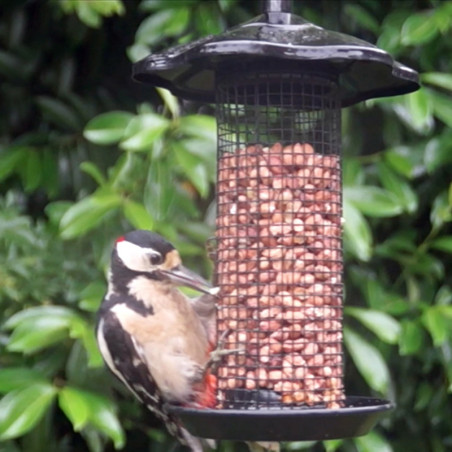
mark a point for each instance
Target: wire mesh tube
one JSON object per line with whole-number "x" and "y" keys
{"x": 279, "y": 249}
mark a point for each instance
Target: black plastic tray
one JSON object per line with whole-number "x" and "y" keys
{"x": 356, "y": 418}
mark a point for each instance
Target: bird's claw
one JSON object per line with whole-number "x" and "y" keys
{"x": 217, "y": 355}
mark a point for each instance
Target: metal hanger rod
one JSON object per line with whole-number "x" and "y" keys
{"x": 278, "y": 6}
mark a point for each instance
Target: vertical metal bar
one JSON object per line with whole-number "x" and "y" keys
{"x": 278, "y": 6}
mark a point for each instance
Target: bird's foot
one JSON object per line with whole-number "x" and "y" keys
{"x": 217, "y": 355}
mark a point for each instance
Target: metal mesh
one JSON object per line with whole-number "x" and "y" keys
{"x": 279, "y": 250}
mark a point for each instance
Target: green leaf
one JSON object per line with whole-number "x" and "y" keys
{"x": 107, "y": 128}
{"x": 31, "y": 336}
{"x": 58, "y": 113}
{"x": 31, "y": 170}
{"x": 373, "y": 201}
{"x": 35, "y": 313}
{"x": 17, "y": 230}
{"x": 362, "y": 17}
{"x": 83, "y": 331}
{"x": 21, "y": 410}
{"x": 357, "y": 233}
{"x": 299, "y": 446}
{"x": 424, "y": 395}
{"x": 437, "y": 320}
{"x": 170, "y": 101}
{"x": 202, "y": 151}
{"x": 399, "y": 163}
{"x": 91, "y": 296}
{"x": 88, "y": 213}
{"x": 438, "y": 152}
{"x": 443, "y": 244}
{"x": 202, "y": 126}
{"x": 137, "y": 215}
{"x": 332, "y": 445}
{"x": 406, "y": 196}
{"x": 381, "y": 324}
{"x": 441, "y": 210}
{"x": 439, "y": 79}
{"x": 390, "y": 35}
{"x": 75, "y": 407}
{"x": 419, "y": 29}
{"x": 13, "y": 378}
{"x": 137, "y": 52}
{"x": 12, "y": 66}
{"x": 397, "y": 245}
{"x": 352, "y": 172}
{"x": 11, "y": 159}
{"x": 155, "y": 5}
{"x": 193, "y": 168}
{"x": 49, "y": 176}
{"x": 443, "y": 296}
{"x": 160, "y": 190}
{"x": 368, "y": 361}
{"x": 425, "y": 264}
{"x": 142, "y": 131}
{"x": 88, "y": 15}
{"x": 127, "y": 174}
{"x": 101, "y": 414}
{"x": 442, "y": 106}
{"x": 373, "y": 442}
{"x": 419, "y": 107}
{"x": 162, "y": 24}
{"x": 107, "y": 9}
{"x": 94, "y": 171}
{"x": 40, "y": 327}
{"x": 207, "y": 20}
{"x": 76, "y": 366}
{"x": 56, "y": 210}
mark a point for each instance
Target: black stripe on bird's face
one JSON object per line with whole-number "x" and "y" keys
{"x": 142, "y": 253}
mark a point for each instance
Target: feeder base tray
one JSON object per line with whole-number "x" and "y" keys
{"x": 356, "y": 418}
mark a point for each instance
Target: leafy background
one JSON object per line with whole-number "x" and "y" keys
{"x": 86, "y": 154}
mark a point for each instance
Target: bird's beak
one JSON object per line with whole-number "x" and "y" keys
{"x": 184, "y": 277}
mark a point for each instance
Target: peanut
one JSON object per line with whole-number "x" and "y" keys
{"x": 280, "y": 272}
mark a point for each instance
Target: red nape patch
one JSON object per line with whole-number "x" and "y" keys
{"x": 120, "y": 239}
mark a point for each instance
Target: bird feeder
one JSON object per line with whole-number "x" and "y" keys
{"x": 279, "y": 83}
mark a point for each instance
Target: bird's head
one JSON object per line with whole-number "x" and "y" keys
{"x": 144, "y": 253}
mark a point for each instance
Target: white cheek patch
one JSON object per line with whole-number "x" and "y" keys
{"x": 135, "y": 257}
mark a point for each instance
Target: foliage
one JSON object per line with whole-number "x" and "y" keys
{"x": 85, "y": 155}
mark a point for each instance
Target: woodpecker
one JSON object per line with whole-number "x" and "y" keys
{"x": 156, "y": 340}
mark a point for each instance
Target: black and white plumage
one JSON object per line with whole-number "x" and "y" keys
{"x": 151, "y": 336}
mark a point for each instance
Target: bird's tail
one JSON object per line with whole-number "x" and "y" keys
{"x": 263, "y": 446}
{"x": 176, "y": 429}
{"x": 197, "y": 444}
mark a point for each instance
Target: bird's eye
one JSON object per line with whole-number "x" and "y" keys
{"x": 156, "y": 259}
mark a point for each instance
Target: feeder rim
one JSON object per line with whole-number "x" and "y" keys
{"x": 356, "y": 418}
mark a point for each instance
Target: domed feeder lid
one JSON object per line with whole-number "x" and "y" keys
{"x": 279, "y": 40}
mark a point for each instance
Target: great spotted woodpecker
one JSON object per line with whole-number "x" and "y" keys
{"x": 154, "y": 339}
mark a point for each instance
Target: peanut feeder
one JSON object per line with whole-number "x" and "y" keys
{"x": 279, "y": 83}
{"x": 279, "y": 257}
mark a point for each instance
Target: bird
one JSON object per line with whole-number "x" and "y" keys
{"x": 157, "y": 341}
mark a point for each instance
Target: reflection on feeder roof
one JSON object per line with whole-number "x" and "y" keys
{"x": 284, "y": 41}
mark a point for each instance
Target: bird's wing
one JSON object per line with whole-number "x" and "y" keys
{"x": 123, "y": 357}
{"x": 206, "y": 310}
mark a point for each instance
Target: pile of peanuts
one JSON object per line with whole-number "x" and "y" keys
{"x": 279, "y": 269}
